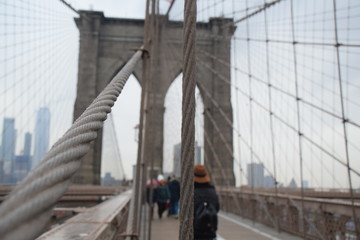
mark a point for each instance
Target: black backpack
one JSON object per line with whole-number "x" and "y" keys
{"x": 205, "y": 218}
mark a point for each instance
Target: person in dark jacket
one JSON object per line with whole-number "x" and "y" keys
{"x": 205, "y": 197}
{"x": 151, "y": 185}
{"x": 174, "y": 188}
{"x": 162, "y": 197}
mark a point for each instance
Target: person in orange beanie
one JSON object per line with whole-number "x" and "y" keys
{"x": 206, "y": 205}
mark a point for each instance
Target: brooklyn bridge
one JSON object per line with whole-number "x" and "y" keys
{"x": 264, "y": 93}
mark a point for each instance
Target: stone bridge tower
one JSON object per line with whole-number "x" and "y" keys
{"x": 105, "y": 46}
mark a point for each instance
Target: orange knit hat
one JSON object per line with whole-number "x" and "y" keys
{"x": 200, "y": 174}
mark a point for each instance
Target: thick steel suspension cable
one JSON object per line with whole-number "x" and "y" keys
{"x": 74, "y": 10}
{"x": 28, "y": 207}
{"x": 262, "y": 8}
{"x": 188, "y": 123}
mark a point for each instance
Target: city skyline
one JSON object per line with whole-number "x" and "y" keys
{"x": 16, "y": 160}
{"x": 256, "y": 178}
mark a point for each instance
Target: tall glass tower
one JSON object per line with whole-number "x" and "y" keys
{"x": 255, "y": 172}
{"x": 8, "y": 143}
{"x": 42, "y": 132}
{"x": 27, "y": 144}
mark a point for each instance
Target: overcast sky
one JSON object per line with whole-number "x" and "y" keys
{"x": 39, "y": 50}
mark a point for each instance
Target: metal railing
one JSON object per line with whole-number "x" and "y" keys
{"x": 324, "y": 218}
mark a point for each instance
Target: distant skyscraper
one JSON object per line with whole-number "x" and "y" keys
{"x": 255, "y": 173}
{"x": 42, "y": 132}
{"x": 177, "y": 160}
{"x": 27, "y": 144}
{"x": 8, "y": 145}
{"x": 197, "y": 153}
{"x": 22, "y": 163}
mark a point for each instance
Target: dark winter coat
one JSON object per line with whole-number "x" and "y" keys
{"x": 205, "y": 192}
{"x": 174, "y": 188}
{"x": 162, "y": 194}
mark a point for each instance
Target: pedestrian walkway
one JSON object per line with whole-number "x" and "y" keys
{"x": 165, "y": 229}
{"x": 230, "y": 227}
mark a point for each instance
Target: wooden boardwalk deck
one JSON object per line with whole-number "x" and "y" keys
{"x": 230, "y": 228}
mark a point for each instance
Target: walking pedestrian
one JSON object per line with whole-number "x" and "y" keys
{"x": 206, "y": 205}
{"x": 163, "y": 196}
{"x": 174, "y": 188}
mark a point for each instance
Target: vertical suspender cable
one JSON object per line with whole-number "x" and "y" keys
{"x": 188, "y": 125}
{"x": 344, "y": 120}
{"x": 237, "y": 106}
{"x": 144, "y": 162}
{"x": 133, "y": 225}
{"x": 146, "y": 76}
{"x": 271, "y": 120}
{"x": 298, "y": 117}
{"x": 252, "y": 177}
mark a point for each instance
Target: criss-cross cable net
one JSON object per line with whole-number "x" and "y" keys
{"x": 295, "y": 103}
{"x": 38, "y": 61}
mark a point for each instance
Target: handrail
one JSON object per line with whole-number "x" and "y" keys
{"x": 107, "y": 219}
